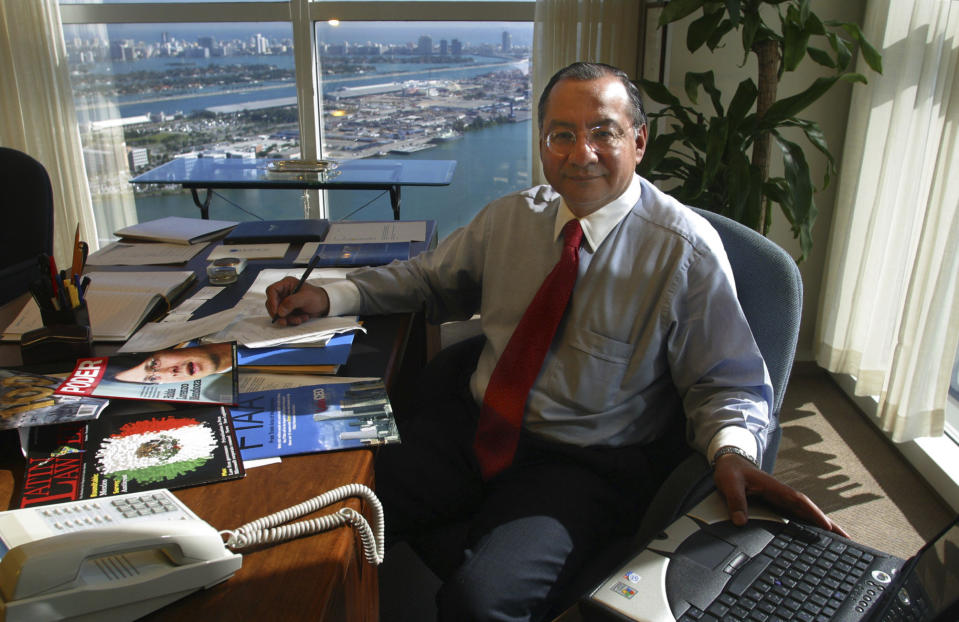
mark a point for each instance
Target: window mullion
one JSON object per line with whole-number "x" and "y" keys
{"x": 309, "y": 103}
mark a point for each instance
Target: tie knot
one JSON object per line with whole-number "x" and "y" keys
{"x": 572, "y": 233}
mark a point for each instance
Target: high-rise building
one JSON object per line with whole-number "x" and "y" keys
{"x": 456, "y": 46}
{"x": 444, "y": 47}
{"x": 507, "y": 41}
{"x": 262, "y": 45}
{"x": 425, "y": 46}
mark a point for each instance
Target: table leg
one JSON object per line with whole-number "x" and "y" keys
{"x": 395, "y": 201}
{"x": 205, "y": 204}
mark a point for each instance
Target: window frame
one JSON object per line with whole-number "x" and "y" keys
{"x": 302, "y": 15}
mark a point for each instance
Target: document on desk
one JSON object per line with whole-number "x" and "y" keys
{"x": 366, "y": 232}
{"x": 247, "y": 323}
{"x": 143, "y": 254}
{"x": 258, "y": 381}
{"x": 161, "y": 335}
{"x": 249, "y": 251}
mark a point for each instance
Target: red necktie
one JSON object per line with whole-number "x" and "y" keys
{"x": 505, "y": 399}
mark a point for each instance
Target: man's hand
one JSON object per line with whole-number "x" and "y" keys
{"x": 737, "y": 478}
{"x": 292, "y": 309}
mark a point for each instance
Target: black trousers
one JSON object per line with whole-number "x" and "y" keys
{"x": 516, "y": 540}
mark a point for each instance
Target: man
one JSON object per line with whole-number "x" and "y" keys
{"x": 652, "y": 329}
{"x": 180, "y": 364}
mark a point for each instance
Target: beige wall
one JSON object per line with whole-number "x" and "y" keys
{"x": 830, "y": 112}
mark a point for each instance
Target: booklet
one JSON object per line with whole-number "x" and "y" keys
{"x": 197, "y": 374}
{"x": 177, "y": 230}
{"x": 129, "y": 453}
{"x": 334, "y": 353}
{"x": 28, "y": 400}
{"x": 361, "y": 254}
{"x": 312, "y": 419}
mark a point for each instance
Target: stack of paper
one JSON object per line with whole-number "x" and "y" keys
{"x": 247, "y": 324}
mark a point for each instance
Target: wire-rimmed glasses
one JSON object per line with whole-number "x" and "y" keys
{"x": 605, "y": 138}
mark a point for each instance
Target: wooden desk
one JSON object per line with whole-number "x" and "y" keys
{"x": 319, "y": 577}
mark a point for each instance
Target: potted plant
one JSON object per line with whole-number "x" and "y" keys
{"x": 720, "y": 159}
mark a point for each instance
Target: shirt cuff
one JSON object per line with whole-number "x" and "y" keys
{"x": 344, "y": 297}
{"x": 735, "y": 436}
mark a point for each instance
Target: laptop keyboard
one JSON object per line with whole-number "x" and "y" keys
{"x": 799, "y": 575}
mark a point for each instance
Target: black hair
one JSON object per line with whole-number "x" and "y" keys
{"x": 593, "y": 71}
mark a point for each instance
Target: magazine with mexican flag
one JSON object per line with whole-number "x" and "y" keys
{"x": 203, "y": 374}
{"x": 116, "y": 454}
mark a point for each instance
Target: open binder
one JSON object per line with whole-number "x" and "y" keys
{"x": 118, "y": 302}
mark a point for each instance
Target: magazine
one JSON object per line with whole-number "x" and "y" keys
{"x": 198, "y": 374}
{"x": 28, "y": 400}
{"x": 129, "y": 453}
{"x": 316, "y": 418}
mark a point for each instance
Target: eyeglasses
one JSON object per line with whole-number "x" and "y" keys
{"x": 601, "y": 139}
{"x": 152, "y": 366}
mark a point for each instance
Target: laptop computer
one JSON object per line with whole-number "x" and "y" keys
{"x": 705, "y": 569}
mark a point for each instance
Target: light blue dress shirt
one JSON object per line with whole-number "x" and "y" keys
{"x": 653, "y": 326}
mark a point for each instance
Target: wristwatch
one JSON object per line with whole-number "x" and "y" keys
{"x": 732, "y": 449}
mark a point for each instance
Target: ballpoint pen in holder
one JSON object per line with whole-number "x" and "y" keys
{"x": 65, "y": 334}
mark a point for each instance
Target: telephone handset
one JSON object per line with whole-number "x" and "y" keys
{"x": 122, "y": 557}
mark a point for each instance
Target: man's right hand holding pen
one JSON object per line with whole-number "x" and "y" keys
{"x": 290, "y": 307}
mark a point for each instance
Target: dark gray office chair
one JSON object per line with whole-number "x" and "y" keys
{"x": 769, "y": 288}
{"x": 27, "y": 221}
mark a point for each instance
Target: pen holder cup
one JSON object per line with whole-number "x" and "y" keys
{"x": 65, "y": 336}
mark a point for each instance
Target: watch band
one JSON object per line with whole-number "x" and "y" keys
{"x": 732, "y": 449}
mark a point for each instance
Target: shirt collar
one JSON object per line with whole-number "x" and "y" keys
{"x": 598, "y": 225}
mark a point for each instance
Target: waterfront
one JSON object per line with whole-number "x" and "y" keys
{"x": 473, "y": 108}
{"x": 491, "y": 162}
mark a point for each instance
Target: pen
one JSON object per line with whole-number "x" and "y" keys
{"x": 77, "y": 266}
{"x": 83, "y": 287}
{"x": 306, "y": 275}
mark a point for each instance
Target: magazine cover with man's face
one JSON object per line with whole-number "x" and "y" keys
{"x": 197, "y": 374}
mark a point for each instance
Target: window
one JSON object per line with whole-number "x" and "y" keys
{"x": 153, "y": 83}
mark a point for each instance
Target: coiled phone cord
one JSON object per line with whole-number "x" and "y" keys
{"x": 270, "y": 529}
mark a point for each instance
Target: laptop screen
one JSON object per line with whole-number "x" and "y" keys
{"x": 936, "y": 568}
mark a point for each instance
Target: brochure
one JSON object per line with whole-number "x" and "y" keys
{"x": 362, "y": 254}
{"x": 310, "y": 419}
{"x": 197, "y": 374}
{"x": 28, "y": 400}
{"x": 334, "y": 353}
{"x": 129, "y": 453}
{"x": 177, "y": 230}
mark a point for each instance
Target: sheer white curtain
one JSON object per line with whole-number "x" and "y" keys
{"x": 37, "y": 115}
{"x": 566, "y": 31}
{"x": 889, "y": 309}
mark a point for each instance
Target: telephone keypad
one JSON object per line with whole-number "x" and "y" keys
{"x": 151, "y": 505}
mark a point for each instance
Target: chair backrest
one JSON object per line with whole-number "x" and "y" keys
{"x": 27, "y": 221}
{"x": 770, "y": 291}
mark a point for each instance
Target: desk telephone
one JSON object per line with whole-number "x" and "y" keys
{"x": 121, "y": 557}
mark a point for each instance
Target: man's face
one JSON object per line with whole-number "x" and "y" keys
{"x": 180, "y": 365}
{"x": 588, "y": 176}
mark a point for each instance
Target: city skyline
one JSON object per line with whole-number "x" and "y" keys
{"x": 387, "y": 33}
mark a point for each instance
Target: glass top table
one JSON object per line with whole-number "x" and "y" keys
{"x": 365, "y": 174}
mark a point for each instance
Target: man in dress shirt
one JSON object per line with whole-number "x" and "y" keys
{"x": 653, "y": 330}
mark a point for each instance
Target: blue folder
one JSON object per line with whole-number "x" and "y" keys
{"x": 336, "y": 351}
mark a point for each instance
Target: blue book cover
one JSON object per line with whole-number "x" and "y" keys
{"x": 312, "y": 419}
{"x": 361, "y": 253}
{"x": 335, "y": 352}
